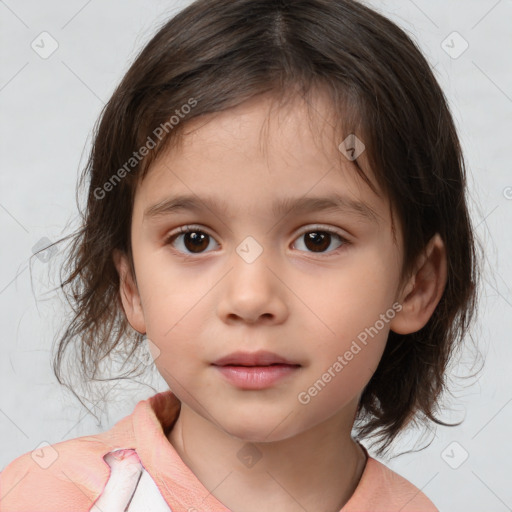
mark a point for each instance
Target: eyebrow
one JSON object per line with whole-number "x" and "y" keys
{"x": 332, "y": 202}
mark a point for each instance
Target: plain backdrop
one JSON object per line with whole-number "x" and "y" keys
{"x": 49, "y": 104}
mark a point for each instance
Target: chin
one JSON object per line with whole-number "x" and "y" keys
{"x": 268, "y": 431}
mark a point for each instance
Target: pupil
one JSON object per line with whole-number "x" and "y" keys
{"x": 197, "y": 241}
{"x": 318, "y": 239}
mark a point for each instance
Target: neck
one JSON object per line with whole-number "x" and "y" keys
{"x": 318, "y": 469}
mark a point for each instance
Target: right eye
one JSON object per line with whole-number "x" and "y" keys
{"x": 189, "y": 238}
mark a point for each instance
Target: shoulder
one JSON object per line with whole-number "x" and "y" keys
{"x": 69, "y": 475}
{"x": 383, "y": 490}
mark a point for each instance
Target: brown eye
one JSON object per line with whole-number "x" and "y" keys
{"x": 318, "y": 241}
{"x": 190, "y": 240}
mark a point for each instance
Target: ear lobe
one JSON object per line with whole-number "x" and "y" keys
{"x": 424, "y": 289}
{"x": 129, "y": 293}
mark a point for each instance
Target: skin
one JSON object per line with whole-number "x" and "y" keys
{"x": 304, "y": 305}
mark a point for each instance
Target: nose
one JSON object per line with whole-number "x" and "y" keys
{"x": 253, "y": 292}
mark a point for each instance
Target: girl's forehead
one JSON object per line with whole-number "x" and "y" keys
{"x": 298, "y": 131}
{"x": 260, "y": 153}
{"x": 284, "y": 116}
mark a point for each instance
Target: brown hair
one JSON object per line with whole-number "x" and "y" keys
{"x": 216, "y": 54}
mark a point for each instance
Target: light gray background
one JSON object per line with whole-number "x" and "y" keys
{"x": 48, "y": 108}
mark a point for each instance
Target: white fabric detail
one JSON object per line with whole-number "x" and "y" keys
{"x": 129, "y": 488}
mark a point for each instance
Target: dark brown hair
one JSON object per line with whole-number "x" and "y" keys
{"x": 216, "y": 54}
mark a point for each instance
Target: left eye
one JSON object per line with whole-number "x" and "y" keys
{"x": 318, "y": 240}
{"x": 195, "y": 241}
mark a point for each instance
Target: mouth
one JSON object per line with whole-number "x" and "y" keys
{"x": 258, "y": 370}
{"x": 251, "y": 359}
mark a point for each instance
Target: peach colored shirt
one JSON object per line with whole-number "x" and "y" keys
{"x": 74, "y": 476}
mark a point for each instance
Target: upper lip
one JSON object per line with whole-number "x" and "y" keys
{"x": 260, "y": 358}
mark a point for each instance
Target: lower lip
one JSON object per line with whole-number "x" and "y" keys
{"x": 256, "y": 377}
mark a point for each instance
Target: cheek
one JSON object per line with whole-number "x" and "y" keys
{"x": 349, "y": 362}
{"x": 174, "y": 322}
{"x": 170, "y": 296}
{"x": 350, "y": 323}
{"x": 340, "y": 373}
{"x": 179, "y": 360}
{"x": 352, "y": 299}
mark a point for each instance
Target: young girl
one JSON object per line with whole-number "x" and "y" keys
{"x": 277, "y": 204}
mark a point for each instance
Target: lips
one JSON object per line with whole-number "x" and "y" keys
{"x": 261, "y": 358}
{"x": 255, "y": 371}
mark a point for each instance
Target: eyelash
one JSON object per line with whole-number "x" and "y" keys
{"x": 183, "y": 230}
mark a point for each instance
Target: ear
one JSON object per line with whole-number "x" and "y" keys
{"x": 424, "y": 289}
{"x": 129, "y": 293}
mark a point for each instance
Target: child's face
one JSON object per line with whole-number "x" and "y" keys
{"x": 258, "y": 280}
